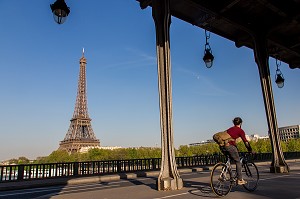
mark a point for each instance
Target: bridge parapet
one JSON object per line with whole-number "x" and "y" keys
{"x": 23, "y": 172}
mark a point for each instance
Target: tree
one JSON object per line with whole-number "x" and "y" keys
{"x": 184, "y": 151}
{"x": 133, "y": 153}
{"x": 23, "y": 160}
{"x": 293, "y": 145}
{"x": 13, "y": 161}
{"x": 263, "y": 146}
{"x": 59, "y": 156}
{"x": 283, "y": 146}
{"x": 98, "y": 154}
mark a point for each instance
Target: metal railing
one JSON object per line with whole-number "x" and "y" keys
{"x": 24, "y": 172}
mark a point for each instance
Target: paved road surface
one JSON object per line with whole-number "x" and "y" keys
{"x": 196, "y": 186}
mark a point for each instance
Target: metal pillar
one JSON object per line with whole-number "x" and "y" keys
{"x": 168, "y": 178}
{"x": 278, "y": 164}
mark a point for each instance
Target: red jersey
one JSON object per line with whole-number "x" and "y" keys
{"x": 235, "y": 133}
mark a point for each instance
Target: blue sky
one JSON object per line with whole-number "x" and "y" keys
{"x": 39, "y": 72}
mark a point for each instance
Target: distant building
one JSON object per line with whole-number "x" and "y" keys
{"x": 201, "y": 143}
{"x": 289, "y": 132}
{"x": 87, "y": 148}
{"x": 253, "y": 137}
{"x": 256, "y": 137}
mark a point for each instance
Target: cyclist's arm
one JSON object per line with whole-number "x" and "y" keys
{"x": 248, "y": 146}
{"x": 246, "y": 142}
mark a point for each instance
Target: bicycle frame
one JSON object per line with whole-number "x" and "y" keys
{"x": 228, "y": 168}
{"x": 244, "y": 162}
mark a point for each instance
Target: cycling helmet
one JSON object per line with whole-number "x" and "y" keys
{"x": 237, "y": 120}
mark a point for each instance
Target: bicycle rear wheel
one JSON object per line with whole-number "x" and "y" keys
{"x": 251, "y": 175}
{"x": 220, "y": 180}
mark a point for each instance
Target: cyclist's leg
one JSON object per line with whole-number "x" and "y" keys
{"x": 234, "y": 155}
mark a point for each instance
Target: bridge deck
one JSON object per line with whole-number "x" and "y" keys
{"x": 196, "y": 186}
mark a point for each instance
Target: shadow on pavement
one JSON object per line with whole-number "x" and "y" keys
{"x": 138, "y": 182}
{"x": 200, "y": 189}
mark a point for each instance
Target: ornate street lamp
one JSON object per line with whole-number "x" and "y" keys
{"x": 208, "y": 57}
{"x": 279, "y": 79}
{"x": 60, "y": 11}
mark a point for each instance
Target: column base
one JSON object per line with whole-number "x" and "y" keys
{"x": 168, "y": 184}
{"x": 279, "y": 169}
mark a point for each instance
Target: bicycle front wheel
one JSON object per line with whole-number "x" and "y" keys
{"x": 251, "y": 175}
{"x": 220, "y": 180}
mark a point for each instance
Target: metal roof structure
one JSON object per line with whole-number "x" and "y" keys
{"x": 241, "y": 20}
{"x": 269, "y": 27}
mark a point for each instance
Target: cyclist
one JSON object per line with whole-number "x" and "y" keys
{"x": 230, "y": 148}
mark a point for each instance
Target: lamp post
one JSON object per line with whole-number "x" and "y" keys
{"x": 279, "y": 79}
{"x": 60, "y": 11}
{"x": 208, "y": 57}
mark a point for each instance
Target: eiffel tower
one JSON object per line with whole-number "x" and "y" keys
{"x": 80, "y": 133}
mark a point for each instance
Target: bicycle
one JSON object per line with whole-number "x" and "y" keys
{"x": 223, "y": 177}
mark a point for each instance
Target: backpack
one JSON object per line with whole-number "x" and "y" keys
{"x": 222, "y": 138}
